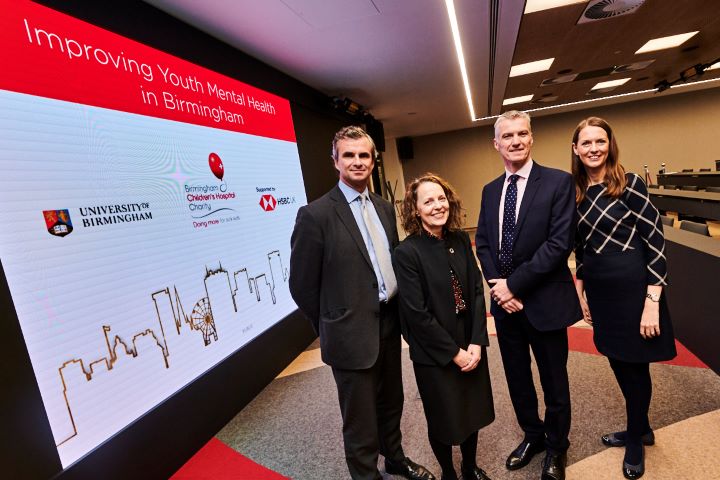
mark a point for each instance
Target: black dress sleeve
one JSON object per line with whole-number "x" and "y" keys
{"x": 579, "y": 255}
{"x": 479, "y": 334}
{"x": 421, "y": 324}
{"x": 649, "y": 227}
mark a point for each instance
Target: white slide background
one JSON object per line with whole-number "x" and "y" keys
{"x": 109, "y": 294}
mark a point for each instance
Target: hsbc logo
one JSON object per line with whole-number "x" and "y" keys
{"x": 268, "y": 202}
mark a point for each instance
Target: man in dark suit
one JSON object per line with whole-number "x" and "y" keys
{"x": 524, "y": 236}
{"x": 342, "y": 279}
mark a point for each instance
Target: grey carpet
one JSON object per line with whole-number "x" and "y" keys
{"x": 293, "y": 427}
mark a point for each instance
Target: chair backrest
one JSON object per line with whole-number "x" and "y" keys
{"x": 652, "y": 185}
{"x": 685, "y": 170}
{"x": 692, "y": 188}
{"x": 705, "y": 170}
{"x": 695, "y": 227}
{"x": 670, "y": 187}
{"x": 712, "y": 189}
{"x": 669, "y": 221}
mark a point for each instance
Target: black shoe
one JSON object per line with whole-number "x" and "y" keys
{"x": 617, "y": 439}
{"x": 554, "y": 467}
{"x": 408, "y": 469}
{"x": 634, "y": 471}
{"x": 522, "y": 455}
{"x": 476, "y": 473}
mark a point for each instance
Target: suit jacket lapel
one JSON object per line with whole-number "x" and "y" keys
{"x": 346, "y": 217}
{"x": 494, "y": 209}
{"x": 533, "y": 185}
{"x": 455, "y": 257}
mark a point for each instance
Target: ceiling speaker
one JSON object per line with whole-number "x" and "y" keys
{"x": 603, "y": 9}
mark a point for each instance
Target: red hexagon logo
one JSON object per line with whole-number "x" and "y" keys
{"x": 268, "y": 203}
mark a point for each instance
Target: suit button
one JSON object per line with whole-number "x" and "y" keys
{"x": 375, "y": 285}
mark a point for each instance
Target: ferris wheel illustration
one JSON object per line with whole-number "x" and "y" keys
{"x": 202, "y": 319}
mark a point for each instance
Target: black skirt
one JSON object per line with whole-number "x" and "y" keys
{"x": 615, "y": 285}
{"x": 456, "y": 403}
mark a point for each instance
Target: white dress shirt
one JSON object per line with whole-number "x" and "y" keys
{"x": 353, "y": 199}
{"x": 524, "y": 174}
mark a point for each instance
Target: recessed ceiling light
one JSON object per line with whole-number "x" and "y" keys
{"x": 524, "y": 98}
{"x": 714, "y": 66}
{"x": 611, "y": 83}
{"x": 666, "y": 42}
{"x": 531, "y": 67}
{"x": 538, "y": 5}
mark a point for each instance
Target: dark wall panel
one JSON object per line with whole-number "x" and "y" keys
{"x": 692, "y": 299}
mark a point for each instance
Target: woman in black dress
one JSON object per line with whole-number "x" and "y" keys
{"x": 442, "y": 309}
{"x": 621, "y": 271}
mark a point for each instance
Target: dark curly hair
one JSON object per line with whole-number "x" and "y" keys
{"x": 409, "y": 215}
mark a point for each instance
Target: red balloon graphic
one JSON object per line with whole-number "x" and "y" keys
{"x": 216, "y": 165}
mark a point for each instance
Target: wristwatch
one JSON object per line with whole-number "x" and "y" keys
{"x": 655, "y": 297}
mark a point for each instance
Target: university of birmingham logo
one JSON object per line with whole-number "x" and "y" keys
{"x": 268, "y": 202}
{"x": 58, "y": 222}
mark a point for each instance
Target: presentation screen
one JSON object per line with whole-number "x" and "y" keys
{"x": 147, "y": 205}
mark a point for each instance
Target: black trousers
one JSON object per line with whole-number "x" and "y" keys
{"x": 516, "y": 337}
{"x": 636, "y": 386}
{"x": 371, "y": 403}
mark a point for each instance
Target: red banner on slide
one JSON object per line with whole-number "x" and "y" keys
{"x": 53, "y": 55}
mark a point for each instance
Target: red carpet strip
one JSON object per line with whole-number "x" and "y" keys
{"x": 581, "y": 340}
{"x": 217, "y": 461}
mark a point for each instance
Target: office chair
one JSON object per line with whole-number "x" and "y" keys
{"x": 690, "y": 188}
{"x": 705, "y": 170}
{"x": 686, "y": 170}
{"x": 667, "y": 221}
{"x": 712, "y": 189}
{"x": 670, "y": 187}
{"x": 652, "y": 185}
{"x": 695, "y": 227}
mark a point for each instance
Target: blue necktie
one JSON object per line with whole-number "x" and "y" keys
{"x": 508, "y": 228}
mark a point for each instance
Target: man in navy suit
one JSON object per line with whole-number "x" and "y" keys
{"x": 524, "y": 237}
{"x": 342, "y": 279}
